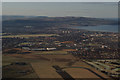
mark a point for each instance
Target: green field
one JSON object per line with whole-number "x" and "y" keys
{"x": 28, "y": 35}
{"x": 50, "y": 52}
{"x": 18, "y": 70}
{"x": 37, "y": 61}
{"x": 6, "y": 60}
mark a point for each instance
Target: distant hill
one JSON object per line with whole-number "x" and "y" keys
{"x": 7, "y": 17}
{"x": 22, "y": 22}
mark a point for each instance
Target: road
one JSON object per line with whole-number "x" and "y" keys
{"x": 63, "y": 73}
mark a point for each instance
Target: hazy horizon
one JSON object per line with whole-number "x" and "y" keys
{"x": 62, "y": 9}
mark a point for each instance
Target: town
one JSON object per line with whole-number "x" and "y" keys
{"x": 97, "y": 49}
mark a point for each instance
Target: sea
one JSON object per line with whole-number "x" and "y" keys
{"x": 103, "y": 28}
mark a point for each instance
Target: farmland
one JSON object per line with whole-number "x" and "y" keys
{"x": 50, "y": 52}
{"x": 28, "y": 35}
{"x": 18, "y": 69}
{"x": 62, "y": 48}
{"x": 41, "y": 65}
{"x": 44, "y": 62}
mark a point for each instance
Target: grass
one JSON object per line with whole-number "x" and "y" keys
{"x": 6, "y": 60}
{"x": 25, "y": 43}
{"x": 13, "y": 71}
{"x": 32, "y": 75}
{"x": 50, "y": 52}
{"x": 28, "y": 35}
{"x": 43, "y": 68}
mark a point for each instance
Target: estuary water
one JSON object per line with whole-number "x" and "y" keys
{"x": 103, "y": 28}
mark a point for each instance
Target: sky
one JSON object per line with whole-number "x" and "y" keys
{"x": 61, "y": 9}
{"x": 60, "y": 0}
